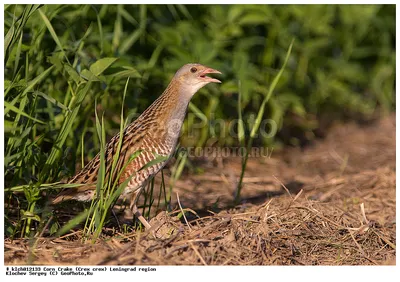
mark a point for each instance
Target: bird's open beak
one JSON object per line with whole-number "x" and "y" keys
{"x": 203, "y": 76}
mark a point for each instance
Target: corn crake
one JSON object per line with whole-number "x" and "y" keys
{"x": 154, "y": 133}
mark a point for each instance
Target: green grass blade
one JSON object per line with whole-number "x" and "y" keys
{"x": 17, "y": 55}
{"x": 270, "y": 91}
{"x": 241, "y": 135}
{"x": 37, "y": 80}
{"x": 197, "y": 112}
{"x": 116, "y": 41}
{"x": 44, "y": 186}
{"x": 29, "y": 87}
{"x": 8, "y": 38}
{"x": 102, "y": 169}
{"x": 20, "y": 112}
{"x": 176, "y": 173}
{"x": 127, "y": 16}
{"x": 73, "y": 222}
{"x": 64, "y": 131}
{"x": 100, "y": 27}
{"x": 158, "y": 159}
{"x": 53, "y": 33}
{"x": 184, "y": 11}
{"x": 130, "y": 40}
{"x": 121, "y": 139}
{"x": 107, "y": 205}
{"x": 51, "y": 100}
{"x": 257, "y": 123}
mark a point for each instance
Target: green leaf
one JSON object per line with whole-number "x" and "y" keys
{"x": 88, "y": 75}
{"x": 101, "y": 65}
{"x": 8, "y": 126}
{"x": 55, "y": 60}
{"x": 54, "y": 228}
{"x": 28, "y": 214}
{"x": 73, "y": 73}
{"x": 128, "y": 72}
{"x": 253, "y": 19}
{"x": 7, "y": 83}
{"x": 229, "y": 87}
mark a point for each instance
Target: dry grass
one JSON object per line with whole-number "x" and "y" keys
{"x": 339, "y": 211}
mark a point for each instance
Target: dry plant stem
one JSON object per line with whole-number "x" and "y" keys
{"x": 197, "y": 253}
{"x": 183, "y": 213}
{"x": 284, "y": 187}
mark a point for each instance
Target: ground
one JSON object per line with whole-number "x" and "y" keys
{"x": 330, "y": 203}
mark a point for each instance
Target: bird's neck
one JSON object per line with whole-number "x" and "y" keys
{"x": 169, "y": 109}
{"x": 175, "y": 98}
{"x": 167, "y": 113}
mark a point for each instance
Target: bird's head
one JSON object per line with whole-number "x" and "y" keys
{"x": 194, "y": 76}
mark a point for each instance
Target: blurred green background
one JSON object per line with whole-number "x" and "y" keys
{"x": 342, "y": 66}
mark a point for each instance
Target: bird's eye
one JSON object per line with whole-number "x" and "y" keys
{"x": 193, "y": 70}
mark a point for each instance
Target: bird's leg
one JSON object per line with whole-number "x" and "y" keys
{"x": 116, "y": 218}
{"x": 139, "y": 216}
{"x": 135, "y": 210}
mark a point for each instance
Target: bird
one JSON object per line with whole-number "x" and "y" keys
{"x": 154, "y": 133}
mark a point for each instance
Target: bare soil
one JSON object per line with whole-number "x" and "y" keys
{"x": 332, "y": 203}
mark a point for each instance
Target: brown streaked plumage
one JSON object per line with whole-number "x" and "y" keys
{"x": 154, "y": 132}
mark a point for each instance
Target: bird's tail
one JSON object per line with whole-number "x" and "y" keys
{"x": 83, "y": 193}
